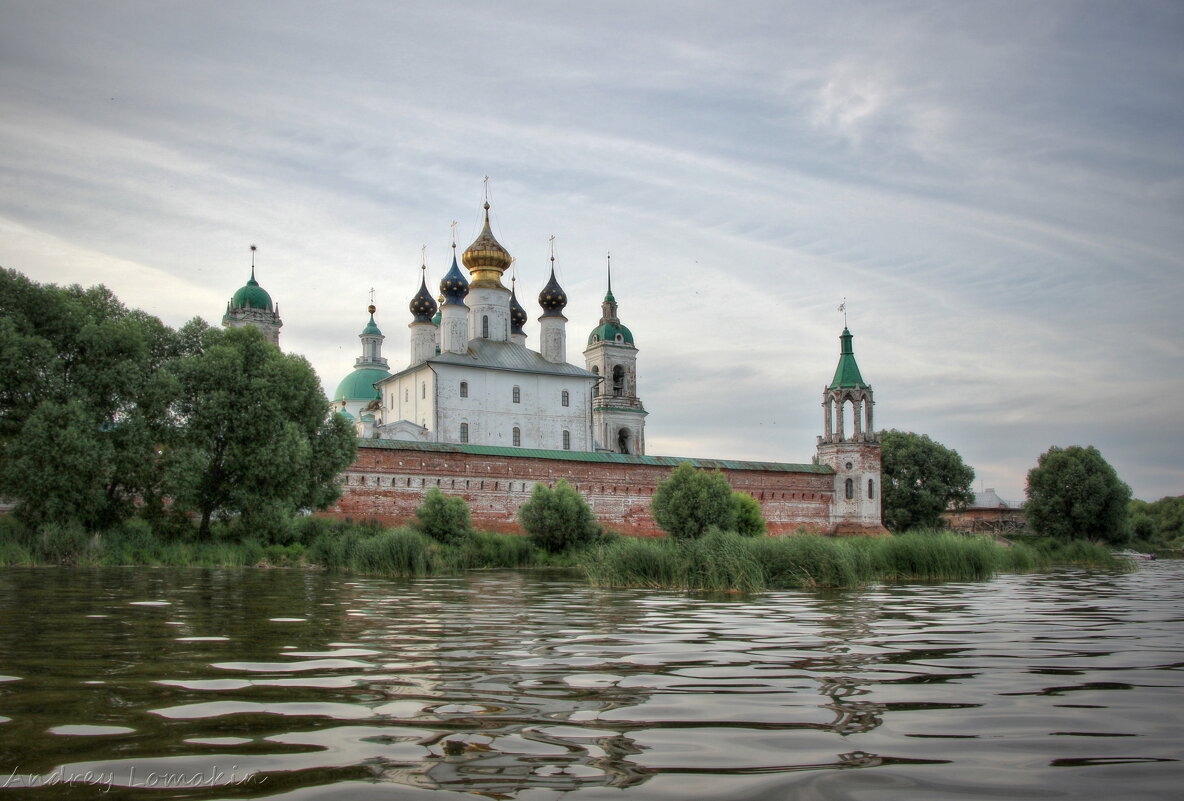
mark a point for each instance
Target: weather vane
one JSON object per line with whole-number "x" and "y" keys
{"x": 371, "y": 296}
{"x": 843, "y": 309}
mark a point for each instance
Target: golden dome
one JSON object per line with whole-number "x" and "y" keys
{"x": 486, "y": 259}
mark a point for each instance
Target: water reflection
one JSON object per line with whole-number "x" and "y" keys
{"x": 508, "y": 685}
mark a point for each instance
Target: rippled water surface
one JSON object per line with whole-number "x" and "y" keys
{"x": 190, "y": 683}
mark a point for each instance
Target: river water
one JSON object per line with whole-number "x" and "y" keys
{"x": 194, "y": 683}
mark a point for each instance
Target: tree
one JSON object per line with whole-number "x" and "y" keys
{"x": 920, "y": 480}
{"x": 691, "y": 500}
{"x": 83, "y": 403}
{"x": 1161, "y": 522}
{"x": 749, "y": 520}
{"x": 1074, "y": 492}
{"x": 444, "y": 518}
{"x": 255, "y": 436}
{"x": 558, "y": 519}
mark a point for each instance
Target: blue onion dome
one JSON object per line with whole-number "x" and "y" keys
{"x": 518, "y": 316}
{"x": 553, "y": 299}
{"x": 423, "y": 305}
{"x": 371, "y": 328}
{"x": 454, "y": 286}
{"x": 251, "y": 296}
{"x": 486, "y": 259}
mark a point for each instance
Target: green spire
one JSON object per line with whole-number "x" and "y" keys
{"x": 371, "y": 328}
{"x": 847, "y": 373}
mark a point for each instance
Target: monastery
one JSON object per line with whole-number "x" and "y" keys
{"x": 477, "y": 413}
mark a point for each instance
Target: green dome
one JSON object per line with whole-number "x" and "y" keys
{"x": 359, "y": 385}
{"x": 251, "y": 296}
{"x": 607, "y": 332}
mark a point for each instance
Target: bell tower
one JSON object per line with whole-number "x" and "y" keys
{"x": 618, "y": 417}
{"x": 853, "y": 452}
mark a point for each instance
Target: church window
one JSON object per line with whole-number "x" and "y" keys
{"x": 850, "y": 488}
{"x": 423, "y": 389}
{"x": 620, "y": 338}
{"x": 565, "y": 398}
{"x": 567, "y": 440}
{"x": 485, "y": 326}
{"x": 464, "y": 432}
{"x": 618, "y": 381}
{"x": 517, "y": 437}
{"x": 596, "y": 386}
{"x": 406, "y": 394}
{"x": 517, "y": 395}
{"x": 464, "y": 389}
{"x": 595, "y": 337}
{"x": 871, "y": 488}
{"x": 623, "y": 440}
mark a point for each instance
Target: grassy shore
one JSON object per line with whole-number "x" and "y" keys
{"x": 718, "y": 561}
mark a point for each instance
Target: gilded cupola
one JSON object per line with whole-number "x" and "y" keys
{"x": 486, "y": 259}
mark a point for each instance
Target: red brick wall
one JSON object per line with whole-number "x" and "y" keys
{"x": 389, "y": 485}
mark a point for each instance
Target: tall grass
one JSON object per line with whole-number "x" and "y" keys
{"x": 722, "y": 561}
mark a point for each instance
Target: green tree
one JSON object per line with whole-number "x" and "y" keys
{"x": 691, "y": 500}
{"x": 83, "y": 403}
{"x": 921, "y": 479}
{"x": 444, "y": 518}
{"x": 558, "y": 519}
{"x": 255, "y": 436}
{"x": 1073, "y": 492}
{"x": 1161, "y": 522}
{"x": 749, "y": 520}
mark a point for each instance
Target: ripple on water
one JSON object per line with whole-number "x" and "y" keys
{"x": 150, "y": 603}
{"x": 88, "y": 730}
{"x": 292, "y": 667}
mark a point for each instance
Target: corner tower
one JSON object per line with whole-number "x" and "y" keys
{"x": 251, "y": 305}
{"x": 853, "y": 454}
{"x": 618, "y": 417}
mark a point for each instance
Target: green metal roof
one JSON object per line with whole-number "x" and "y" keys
{"x": 588, "y": 456}
{"x": 251, "y": 296}
{"x": 608, "y": 333}
{"x": 371, "y": 328}
{"x": 847, "y": 373}
{"x": 359, "y": 385}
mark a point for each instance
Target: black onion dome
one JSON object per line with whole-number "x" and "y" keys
{"x": 518, "y": 316}
{"x": 553, "y": 299}
{"x": 423, "y": 305}
{"x": 454, "y": 286}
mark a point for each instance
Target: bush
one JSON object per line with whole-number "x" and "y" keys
{"x": 690, "y": 501}
{"x": 558, "y": 519}
{"x": 749, "y": 520}
{"x": 444, "y": 518}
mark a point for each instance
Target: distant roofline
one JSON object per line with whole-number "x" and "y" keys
{"x": 591, "y": 456}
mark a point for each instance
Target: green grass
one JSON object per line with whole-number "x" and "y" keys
{"x": 729, "y": 562}
{"x": 718, "y": 561}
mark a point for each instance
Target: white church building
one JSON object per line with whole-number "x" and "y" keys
{"x": 471, "y": 379}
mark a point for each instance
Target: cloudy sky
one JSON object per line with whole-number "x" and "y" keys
{"x": 995, "y": 188}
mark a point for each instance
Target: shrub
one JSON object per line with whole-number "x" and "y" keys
{"x": 749, "y": 520}
{"x": 690, "y": 501}
{"x": 444, "y": 518}
{"x": 558, "y": 519}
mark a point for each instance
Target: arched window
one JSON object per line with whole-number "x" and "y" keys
{"x": 850, "y": 488}
{"x": 517, "y": 395}
{"x": 618, "y": 381}
{"x": 517, "y": 437}
{"x": 485, "y": 326}
{"x": 565, "y": 398}
{"x": 567, "y": 440}
{"x": 623, "y": 441}
{"x": 871, "y": 489}
{"x": 464, "y": 432}
{"x": 464, "y": 389}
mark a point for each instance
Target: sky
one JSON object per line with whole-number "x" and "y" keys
{"x": 996, "y": 190}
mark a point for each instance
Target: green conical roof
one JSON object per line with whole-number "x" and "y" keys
{"x": 847, "y": 373}
{"x": 371, "y": 328}
{"x": 251, "y": 296}
{"x": 359, "y": 385}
